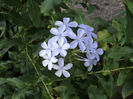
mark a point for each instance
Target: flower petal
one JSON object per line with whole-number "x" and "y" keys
{"x": 55, "y": 38}
{"x": 66, "y": 20}
{"x": 80, "y": 33}
{"x": 58, "y": 73}
{"x": 42, "y": 53}
{"x": 70, "y": 34}
{"x": 44, "y": 45}
{"x": 89, "y": 28}
{"x": 61, "y": 42}
{"x": 73, "y": 24}
{"x": 58, "y": 23}
{"x": 94, "y": 35}
{"x": 54, "y": 31}
{"x": 61, "y": 62}
{"x": 45, "y": 63}
{"x": 73, "y": 44}
{"x": 87, "y": 63}
{"x": 53, "y": 60}
{"x": 90, "y": 67}
{"x": 66, "y": 73}
{"x": 68, "y": 66}
{"x": 95, "y": 45}
{"x": 61, "y": 29}
{"x": 55, "y": 67}
{"x": 82, "y": 46}
{"x": 50, "y": 65}
{"x": 66, "y": 46}
{"x": 63, "y": 53}
{"x": 82, "y": 26}
{"x": 100, "y": 51}
{"x": 55, "y": 52}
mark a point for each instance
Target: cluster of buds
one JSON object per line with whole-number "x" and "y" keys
{"x": 58, "y": 45}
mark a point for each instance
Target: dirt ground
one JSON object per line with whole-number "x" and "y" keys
{"x": 108, "y": 9}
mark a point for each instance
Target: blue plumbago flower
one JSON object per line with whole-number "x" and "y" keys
{"x": 88, "y": 30}
{"x": 61, "y": 48}
{"x": 59, "y": 33}
{"x": 93, "y": 52}
{"x": 89, "y": 62}
{"x": 61, "y": 69}
{"x": 46, "y": 48}
{"x": 78, "y": 40}
{"x": 66, "y": 23}
{"x": 49, "y": 60}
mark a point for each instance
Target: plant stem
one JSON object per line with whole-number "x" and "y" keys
{"x": 33, "y": 64}
{"x": 113, "y": 70}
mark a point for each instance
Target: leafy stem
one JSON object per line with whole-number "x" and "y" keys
{"x": 33, "y": 64}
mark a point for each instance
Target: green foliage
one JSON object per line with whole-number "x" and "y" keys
{"x": 25, "y": 24}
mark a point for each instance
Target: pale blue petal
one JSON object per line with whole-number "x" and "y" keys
{"x": 58, "y": 23}
{"x": 55, "y": 52}
{"x": 44, "y": 45}
{"x": 100, "y": 51}
{"x": 80, "y": 33}
{"x": 73, "y": 44}
{"x": 61, "y": 29}
{"x": 94, "y": 35}
{"x": 55, "y": 66}
{"x": 54, "y": 31}
{"x": 65, "y": 46}
{"x": 68, "y": 66}
{"x": 89, "y": 28}
{"x": 66, "y": 20}
{"x": 95, "y": 45}
{"x": 45, "y": 63}
{"x": 42, "y": 53}
{"x": 73, "y": 24}
{"x": 61, "y": 42}
{"x": 50, "y": 65}
{"x": 53, "y": 60}
{"x": 82, "y": 26}
{"x": 58, "y": 73}
{"x": 55, "y": 38}
{"x": 70, "y": 34}
{"x": 82, "y": 46}
{"x": 66, "y": 73}
{"x": 63, "y": 53}
{"x": 97, "y": 57}
{"x": 87, "y": 63}
{"x": 90, "y": 67}
{"x": 61, "y": 62}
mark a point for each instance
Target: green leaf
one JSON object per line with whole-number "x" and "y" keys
{"x": 129, "y": 29}
{"x": 47, "y": 5}
{"x": 101, "y": 35}
{"x": 19, "y": 94}
{"x": 127, "y": 89}
{"x": 65, "y": 92}
{"x": 17, "y": 82}
{"x": 121, "y": 78}
{"x": 129, "y": 4}
{"x": 108, "y": 85}
{"x": 118, "y": 52}
{"x": 95, "y": 93}
{"x": 34, "y": 12}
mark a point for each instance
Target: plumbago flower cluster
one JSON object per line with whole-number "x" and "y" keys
{"x": 58, "y": 45}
